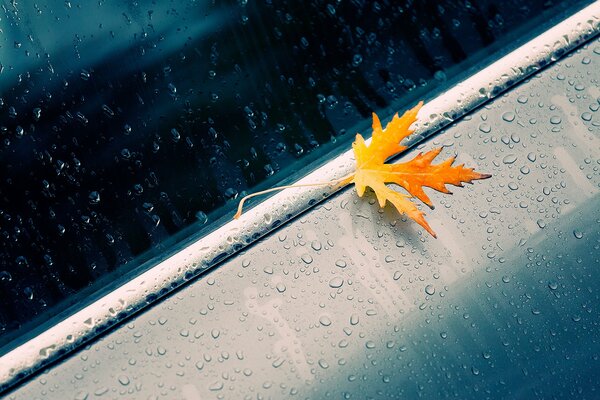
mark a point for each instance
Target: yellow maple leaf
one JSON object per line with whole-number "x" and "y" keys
{"x": 372, "y": 171}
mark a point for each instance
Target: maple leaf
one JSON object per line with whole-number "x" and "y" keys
{"x": 372, "y": 171}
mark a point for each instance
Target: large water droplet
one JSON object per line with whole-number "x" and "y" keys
{"x": 336, "y": 282}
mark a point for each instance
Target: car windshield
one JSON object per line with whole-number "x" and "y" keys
{"x": 127, "y": 128}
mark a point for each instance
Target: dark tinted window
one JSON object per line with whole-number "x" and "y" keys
{"x": 125, "y": 127}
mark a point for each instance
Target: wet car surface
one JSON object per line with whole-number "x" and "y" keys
{"x": 350, "y": 301}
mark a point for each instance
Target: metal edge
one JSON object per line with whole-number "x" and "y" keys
{"x": 210, "y": 250}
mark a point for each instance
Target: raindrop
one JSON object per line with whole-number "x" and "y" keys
{"x": 555, "y": 120}
{"x": 485, "y": 127}
{"x": 336, "y": 282}
{"x": 509, "y": 159}
{"x": 172, "y": 89}
{"x": 430, "y": 290}
{"x": 341, "y": 263}
{"x": 508, "y": 116}
{"x": 578, "y": 234}
{"x": 324, "y": 320}
{"x": 5, "y": 276}
{"x": 280, "y": 287}
{"x": 175, "y": 135}
{"x": 307, "y": 258}
{"x": 268, "y": 270}
{"x": 357, "y": 60}
{"x": 94, "y": 197}
{"x": 201, "y": 217}
{"x": 82, "y": 396}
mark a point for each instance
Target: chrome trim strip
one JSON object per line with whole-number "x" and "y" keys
{"x": 208, "y": 251}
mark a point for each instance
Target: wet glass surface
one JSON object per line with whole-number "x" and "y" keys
{"x": 124, "y": 128}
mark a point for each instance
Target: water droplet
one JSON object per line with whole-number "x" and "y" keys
{"x": 341, "y": 263}
{"x": 397, "y": 275}
{"x": 354, "y": 319}
{"x": 522, "y": 99}
{"x": 100, "y": 391}
{"x": 555, "y": 120}
{"x": 336, "y": 282}
{"x": 578, "y": 234}
{"x": 123, "y": 380}
{"x": 509, "y": 159}
{"x": 324, "y": 320}
{"x": 201, "y": 217}
{"x": 586, "y": 116}
{"x": 430, "y": 290}
{"x": 94, "y": 197}
{"x": 175, "y": 135}
{"x": 508, "y": 116}
{"x": 323, "y": 364}
{"x": 307, "y": 258}
{"x": 5, "y": 276}
{"x": 485, "y": 127}
{"x": 280, "y": 287}
{"x": 82, "y": 396}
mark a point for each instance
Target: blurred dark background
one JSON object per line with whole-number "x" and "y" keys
{"x": 125, "y": 128}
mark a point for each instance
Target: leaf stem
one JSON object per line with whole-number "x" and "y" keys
{"x": 329, "y": 183}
